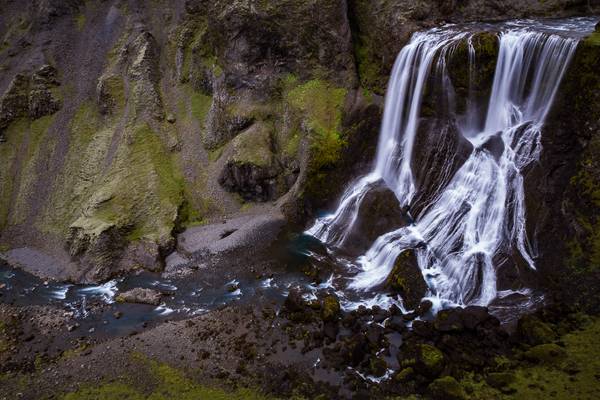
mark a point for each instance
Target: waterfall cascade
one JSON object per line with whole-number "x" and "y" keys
{"x": 477, "y": 215}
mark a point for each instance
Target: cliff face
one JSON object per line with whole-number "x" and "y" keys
{"x": 125, "y": 122}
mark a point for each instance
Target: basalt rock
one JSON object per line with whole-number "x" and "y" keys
{"x": 379, "y": 213}
{"x": 447, "y": 388}
{"x": 30, "y": 96}
{"x": 144, "y": 73}
{"x": 407, "y": 280}
{"x": 252, "y": 169}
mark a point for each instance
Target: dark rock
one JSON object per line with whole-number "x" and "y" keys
{"x": 252, "y": 169}
{"x": 379, "y": 213}
{"x": 374, "y": 335}
{"x": 407, "y": 280}
{"x": 449, "y": 320}
{"x": 446, "y": 388}
{"x": 140, "y": 295}
{"x": 424, "y": 308}
{"x": 14, "y": 103}
{"x": 331, "y": 330}
{"x": 377, "y": 366}
{"x": 424, "y": 329}
{"x": 294, "y": 302}
{"x": 429, "y": 360}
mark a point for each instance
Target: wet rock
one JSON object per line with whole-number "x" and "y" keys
{"x": 446, "y": 388}
{"x": 140, "y": 295}
{"x": 429, "y": 360}
{"x": 449, "y": 320}
{"x": 379, "y": 213}
{"x": 533, "y": 331}
{"x": 424, "y": 308}
{"x": 294, "y": 302}
{"x": 407, "y": 280}
{"x": 377, "y": 366}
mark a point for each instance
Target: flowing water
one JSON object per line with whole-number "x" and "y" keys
{"x": 477, "y": 214}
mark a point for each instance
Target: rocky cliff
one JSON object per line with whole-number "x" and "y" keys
{"x": 124, "y": 123}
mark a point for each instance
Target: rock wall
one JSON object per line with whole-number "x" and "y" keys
{"x": 125, "y": 122}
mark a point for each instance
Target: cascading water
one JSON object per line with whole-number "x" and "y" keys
{"x": 478, "y": 213}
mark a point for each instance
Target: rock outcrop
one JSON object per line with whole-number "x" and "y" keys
{"x": 268, "y": 102}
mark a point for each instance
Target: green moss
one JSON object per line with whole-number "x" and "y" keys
{"x": 319, "y": 105}
{"x": 545, "y": 353}
{"x": 165, "y": 383}
{"x": 89, "y": 142}
{"x": 38, "y": 146}
{"x": 253, "y": 146}
{"x": 447, "y": 388}
{"x": 430, "y": 360}
{"x": 80, "y": 21}
{"x": 15, "y": 137}
{"x": 569, "y": 374}
{"x": 593, "y": 39}
{"x": 370, "y": 71}
{"x": 331, "y": 308}
{"x": 200, "y": 104}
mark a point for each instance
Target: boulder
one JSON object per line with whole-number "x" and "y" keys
{"x": 379, "y": 213}
{"x": 429, "y": 360}
{"x": 548, "y": 353}
{"x": 252, "y": 169}
{"x": 330, "y": 310}
{"x": 141, "y": 296}
{"x": 446, "y": 388}
{"x": 407, "y": 280}
{"x": 144, "y": 74}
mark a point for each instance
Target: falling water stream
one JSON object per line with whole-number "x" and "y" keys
{"x": 478, "y": 213}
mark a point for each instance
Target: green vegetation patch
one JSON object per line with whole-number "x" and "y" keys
{"x": 166, "y": 383}
{"x": 549, "y": 371}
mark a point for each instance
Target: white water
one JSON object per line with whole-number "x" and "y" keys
{"x": 480, "y": 213}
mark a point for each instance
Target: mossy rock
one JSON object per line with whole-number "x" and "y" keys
{"x": 377, "y": 366}
{"x": 548, "y": 353}
{"x": 404, "y": 375}
{"x": 331, "y": 309}
{"x": 446, "y": 388}
{"x": 407, "y": 280}
{"x": 501, "y": 381}
{"x": 478, "y": 80}
{"x": 429, "y": 360}
{"x": 534, "y": 331}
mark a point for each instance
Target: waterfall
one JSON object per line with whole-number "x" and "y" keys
{"x": 479, "y": 213}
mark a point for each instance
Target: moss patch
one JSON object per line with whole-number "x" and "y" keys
{"x": 571, "y": 374}
{"x": 166, "y": 383}
{"x": 319, "y": 105}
